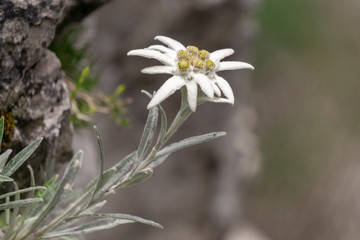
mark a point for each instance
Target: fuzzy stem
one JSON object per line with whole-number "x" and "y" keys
{"x": 179, "y": 119}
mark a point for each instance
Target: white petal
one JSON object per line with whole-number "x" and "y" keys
{"x": 148, "y": 53}
{"x": 218, "y": 100}
{"x": 221, "y": 100}
{"x": 171, "y": 43}
{"x": 225, "y": 88}
{"x": 158, "y": 70}
{"x": 169, "y": 87}
{"x": 192, "y": 90}
{"x": 221, "y": 54}
{"x": 216, "y": 89}
{"x": 204, "y": 83}
{"x": 233, "y": 65}
{"x": 171, "y": 53}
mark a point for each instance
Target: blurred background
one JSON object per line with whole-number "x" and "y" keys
{"x": 289, "y": 167}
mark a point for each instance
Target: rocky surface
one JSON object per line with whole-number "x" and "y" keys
{"x": 32, "y": 84}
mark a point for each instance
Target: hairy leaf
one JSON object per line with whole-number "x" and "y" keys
{"x": 5, "y": 179}
{"x": 121, "y": 169}
{"x": 121, "y": 216}
{"x": 4, "y": 157}
{"x": 158, "y": 158}
{"x": 20, "y": 158}
{"x": 148, "y": 134}
{"x": 138, "y": 177}
{"x": 22, "y": 191}
{"x": 94, "y": 208}
{"x": 19, "y": 203}
{"x": 93, "y": 226}
{"x": 65, "y": 184}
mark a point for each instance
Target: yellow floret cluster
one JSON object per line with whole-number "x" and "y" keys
{"x": 193, "y": 59}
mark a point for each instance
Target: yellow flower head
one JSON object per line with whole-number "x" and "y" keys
{"x": 183, "y": 65}
{"x": 203, "y": 54}
{"x": 192, "y": 51}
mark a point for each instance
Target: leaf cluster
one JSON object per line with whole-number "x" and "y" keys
{"x": 58, "y": 210}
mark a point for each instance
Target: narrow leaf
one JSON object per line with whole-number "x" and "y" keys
{"x": 19, "y": 203}
{"x": 25, "y": 213}
{"x": 138, "y": 177}
{"x": 120, "y": 169}
{"x": 80, "y": 203}
{"x": 65, "y": 184}
{"x": 48, "y": 186}
{"x": 7, "y": 211}
{"x": 32, "y": 178}
{"x": 99, "y": 180}
{"x": 183, "y": 144}
{"x": 163, "y": 127}
{"x": 20, "y": 158}
{"x": 5, "y": 179}
{"x": 32, "y": 212}
{"x": 93, "y": 226}
{"x": 148, "y": 134}
{"x": 94, "y": 208}
{"x": 158, "y": 160}
{"x": 22, "y": 191}
{"x": 104, "y": 183}
{"x": 15, "y": 211}
{"x": 4, "y": 157}
{"x": 121, "y": 216}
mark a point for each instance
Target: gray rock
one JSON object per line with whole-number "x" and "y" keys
{"x": 32, "y": 84}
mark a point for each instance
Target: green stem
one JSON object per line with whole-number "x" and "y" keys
{"x": 179, "y": 119}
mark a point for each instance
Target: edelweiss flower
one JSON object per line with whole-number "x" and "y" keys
{"x": 190, "y": 67}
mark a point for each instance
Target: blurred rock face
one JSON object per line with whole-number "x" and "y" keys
{"x": 197, "y": 193}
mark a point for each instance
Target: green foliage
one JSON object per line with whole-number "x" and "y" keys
{"x": 73, "y": 57}
{"x": 84, "y": 104}
{"x": 81, "y": 81}
{"x": 12, "y": 198}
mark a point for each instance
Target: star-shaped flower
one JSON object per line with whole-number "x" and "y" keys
{"x": 191, "y": 68}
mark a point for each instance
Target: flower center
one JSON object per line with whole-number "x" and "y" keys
{"x": 182, "y": 54}
{"x": 183, "y": 65}
{"x": 192, "y": 60}
{"x": 209, "y": 65}
{"x": 198, "y": 65}
{"x": 195, "y": 60}
{"x": 192, "y": 51}
{"x": 203, "y": 55}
